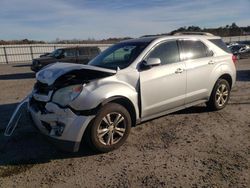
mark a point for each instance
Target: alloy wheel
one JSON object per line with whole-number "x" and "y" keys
{"x": 111, "y": 128}
{"x": 221, "y": 96}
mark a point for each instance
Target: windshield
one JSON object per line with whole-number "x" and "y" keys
{"x": 120, "y": 55}
{"x": 56, "y": 53}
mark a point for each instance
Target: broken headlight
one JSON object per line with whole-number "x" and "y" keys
{"x": 67, "y": 94}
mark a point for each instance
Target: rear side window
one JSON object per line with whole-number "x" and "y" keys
{"x": 168, "y": 52}
{"x": 94, "y": 51}
{"x": 220, "y": 44}
{"x": 84, "y": 51}
{"x": 194, "y": 49}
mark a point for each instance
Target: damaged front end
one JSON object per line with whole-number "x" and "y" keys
{"x": 49, "y": 103}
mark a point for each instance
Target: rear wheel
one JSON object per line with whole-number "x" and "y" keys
{"x": 220, "y": 95}
{"x": 110, "y": 128}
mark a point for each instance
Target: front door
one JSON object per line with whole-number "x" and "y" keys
{"x": 69, "y": 56}
{"x": 163, "y": 87}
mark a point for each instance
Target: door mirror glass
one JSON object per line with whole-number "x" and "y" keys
{"x": 152, "y": 62}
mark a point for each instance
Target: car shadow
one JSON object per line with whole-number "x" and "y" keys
{"x": 243, "y": 75}
{"x": 239, "y": 103}
{"x": 193, "y": 110}
{"x": 17, "y": 76}
{"x": 27, "y": 146}
{"x": 6, "y": 111}
{"x": 22, "y": 65}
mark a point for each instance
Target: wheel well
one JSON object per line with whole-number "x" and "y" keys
{"x": 228, "y": 78}
{"x": 127, "y": 104}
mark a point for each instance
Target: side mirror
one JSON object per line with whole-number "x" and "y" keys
{"x": 210, "y": 53}
{"x": 152, "y": 62}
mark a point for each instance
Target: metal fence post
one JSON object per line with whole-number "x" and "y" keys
{"x": 31, "y": 53}
{"x": 5, "y": 55}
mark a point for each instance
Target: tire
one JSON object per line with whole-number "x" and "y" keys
{"x": 220, "y": 95}
{"x": 111, "y": 135}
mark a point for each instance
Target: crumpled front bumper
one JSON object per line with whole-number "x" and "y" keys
{"x": 61, "y": 125}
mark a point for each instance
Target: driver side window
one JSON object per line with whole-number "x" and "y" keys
{"x": 70, "y": 53}
{"x": 167, "y": 52}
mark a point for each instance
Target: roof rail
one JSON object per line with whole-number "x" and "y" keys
{"x": 193, "y": 33}
{"x": 156, "y": 35}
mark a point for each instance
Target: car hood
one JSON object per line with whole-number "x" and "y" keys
{"x": 52, "y": 72}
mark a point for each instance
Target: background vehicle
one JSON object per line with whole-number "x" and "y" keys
{"x": 80, "y": 55}
{"x": 244, "y": 42}
{"x": 240, "y": 50}
{"x": 130, "y": 82}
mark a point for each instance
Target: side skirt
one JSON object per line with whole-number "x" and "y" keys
{"x": 170, "y": 111}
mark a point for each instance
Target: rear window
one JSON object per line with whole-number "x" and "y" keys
{"x": 220, "y": 44}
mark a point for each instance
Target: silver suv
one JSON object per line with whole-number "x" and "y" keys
{"x": 130, "y": 82}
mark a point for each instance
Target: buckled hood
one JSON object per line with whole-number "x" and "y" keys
{"x": 51, "y": 73}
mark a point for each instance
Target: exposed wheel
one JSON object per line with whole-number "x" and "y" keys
{"x": 110, "y": 128}
{"x": 220, "y": 95}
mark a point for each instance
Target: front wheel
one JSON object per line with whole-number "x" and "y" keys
{"x": 110, "y": 128}
{"x": 220, "y": 95}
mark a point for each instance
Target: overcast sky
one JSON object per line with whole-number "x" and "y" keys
{"x": 83, "y": 19}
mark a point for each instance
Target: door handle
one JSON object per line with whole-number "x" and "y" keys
{"x": 211, "y": 62}
{"x": 179, "y": 70}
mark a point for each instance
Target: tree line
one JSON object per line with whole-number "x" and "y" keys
{"x": 228, "y": 30}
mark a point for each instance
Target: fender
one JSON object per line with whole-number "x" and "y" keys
{"x": 95, "y": 94}
{"x": 222, "y": 69}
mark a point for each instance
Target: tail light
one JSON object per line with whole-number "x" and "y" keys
{"x": 234, "y": 58}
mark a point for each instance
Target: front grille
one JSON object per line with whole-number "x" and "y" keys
{"x": 38, "y": 105}
{"x": 42, "y": 88}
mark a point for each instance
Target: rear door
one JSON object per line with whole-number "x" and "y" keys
{"x": 199, "y": 62}
{"x": 83, "y": 55}
{"x": 163, "y": 87}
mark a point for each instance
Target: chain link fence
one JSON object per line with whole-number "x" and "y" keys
{"x": 236, "y": 38}
{"x": 26, "y": 53}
